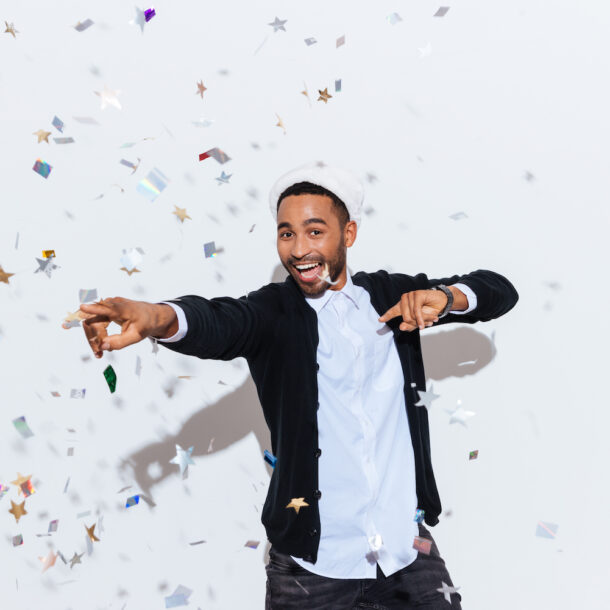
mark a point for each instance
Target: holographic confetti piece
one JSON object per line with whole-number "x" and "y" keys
{"x": 17, "y": 241}
{"x": 340, "y": 41}
{"x": 546, "y": 530}
{"x": 458, "y": 216}
{"x": 338, "y": 85}
{"x": 132, "y": 501}
{"x": 215, "y": 153}
{"x": 42, "y": 168}
{"x": 27, "y": 488}
{"x": 394, "y": 18}
{"x": 3, "y": 490}
{"x": 53, "y": 525}
{"x": 86, "y": 120}
{"x": 70, "y": 452}
{"x": 58, "y": 124}
{"x": 131, "y": 258}
{"x": 473, "y": 455}
{"x": 442, "y": 11}
{"x": 87, "y": 295}
{"x": 129, "y": 164}
{"x": 17, "y": 540}
{"x": 149, "y": 13}
{"x": 68, "y": 140}
{"x": 203, "y": 122}
{"x": 81, "y": 27}
{"x": 422, "y": 545}
{"x": 48, "y": 253}
{"x": 110, "y": 376}
{"x": 252, "y": 544}
{"x": 310, "y": 41}
{"x": 419, "y": 515}
{"x": 80, "y": 515}
{"x": 55, "y": 394}
{"x": 76, "y": 393}
{"x": 22, "y": 427}
{"x": 66, "y": 485}
{"x": 209, "y": 249}
{"x": 178, "y": 598}
{"x": 152, "y": 186}
{"x": 270, "y": 458}
{"x": 223, "y": 178}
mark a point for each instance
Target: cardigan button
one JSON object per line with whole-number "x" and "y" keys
{"x": 318, "y": 452}
{"x": 313, "y": 531}
{"x": 317, "y": 494}
{"x": 317, "y": 366}
{"x": 308, "y": 558}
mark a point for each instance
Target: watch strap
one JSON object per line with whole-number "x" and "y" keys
{"x": 449, "y": 299}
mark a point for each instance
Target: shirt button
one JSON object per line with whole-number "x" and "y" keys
{"x": 317, "y": 494}
{"x": 313, "y": 531}
{"x": 318, "y": 452}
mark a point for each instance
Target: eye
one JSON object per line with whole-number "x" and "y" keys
{"x": 316, "y": 231}
{"x": 285, "y": 233}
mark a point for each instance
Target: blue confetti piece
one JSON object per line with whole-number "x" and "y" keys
{"x": 132, "y": 501}
{"x": 270, "y": 458}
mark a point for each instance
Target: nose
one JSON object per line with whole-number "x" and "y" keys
{"x": 300, "y": 247}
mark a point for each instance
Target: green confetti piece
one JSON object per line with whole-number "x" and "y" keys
{"x": 110, "y": 376}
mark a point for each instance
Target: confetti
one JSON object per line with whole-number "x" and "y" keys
{"x": 66, "y": 485}
{"x": 394, "y": 18}
{"x": 27, "y": 488}
{"x": 324, "y": 95}
{"x": 48, "y": 561}
{"x": 209, "y": 249}
{"x": 140, "y": 19}
{"x": 42, "y": 135}
{"x": 87, "y": 295}
{"x": 110, "y": 377}
{"x": 458, "y": 216}
{"x": 419, "y": 515}
{"x": 132, "y": 501}
{"x": 252, "y": 544}
{"x": 340, "y": 41}
{"x": 47, "y": 265}
{"x": 183, "y": 459}
{"x": 108, "y": 97}
{"x": 92, "y": 536}
{"x": 280, "y": 123}
{"x": 200, "y": 89}
{"x": 22, "y": 427}
{"x": 76, "y": 393}
{"x": 375, "y": 542}
{"x": 546, "y": 530}
{"x": 3, "y": 490}
{"x": 338, "y": 85}
{"x": 58, "y": 124}
{"x": 17, "y": 510}
{"x": 310, "y": 41}
{"x": 203, "y": 122}
{"x": 446, "y": 590}
{"x": 85, "y": 120}
{"x": 215, "y": 153}
{"x": 75, "y": 559}
{"x": 48, "y": 253}
{"x": 270, "y": 458}
{"x": 16, "y": 246}
{"x": 70, "y": 452}
{"x": 83, "y": 514}
{"x": 422, "y": 545}
{"x": 68, "y": 140}
{"x": 53, "y": 525}
{"x": 473, "y": 455}
{"x": 297, "y": 504}
{"x": 17, "y": 540}
{"x": 4, "y": 275}
{"x": 442, "y": 11}
{"x": 10, "y": 29}
{"x": 460, "y": 415}
{"x": 149, "y": 13}
{"x": 277, "y": 24}
{"x": 223, "y": 178}
{"x": 426, "y": 397}
{"x": 196, "y": 542}
{"x": 181, "y": 213}
{"x": 154, "y": 183}
{"x": 81, "y": 27}
{"x": 42, "y": 167}
{"x": 131, "y": 258}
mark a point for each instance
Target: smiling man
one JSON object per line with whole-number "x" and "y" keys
{"x": 338, "y": 367}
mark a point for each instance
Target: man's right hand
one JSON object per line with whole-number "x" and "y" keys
{"x": 137, "y": 320}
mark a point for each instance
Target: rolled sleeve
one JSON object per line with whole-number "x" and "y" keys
{"x": 470, "y": 295}
{"x": 182, "y": 324}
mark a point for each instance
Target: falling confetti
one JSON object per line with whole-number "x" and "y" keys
{"x": 53, "y": 525}
{"x": 460, "y": 415}
{"x": 42, "y": 167}
{"x": 22, "y": 427}
{"x": 108, "y": 97}
{"x": 426, "y": 397}
{"x": 310, "y": 41}
{"x": 82, "y": 26}
{"x": 340, "y": 41}
{"x": 42, "y": 135}
{"x": 215, "y": 153}
{"x": 4, "y": 275}
{"x": 68, "y": 140}
{"x": 209, "y": 249}
{"x": 48, "y": 253}
{"x": 110, "y": 377}
{"x": 223, "y": 178}
{"x": 91, "y": 534}
{"x": 338, "y": 85}
{"x": 87, "y": 295}
{"x": 446, "y": 590}
{"x": 75, "y": 559}
{"x": 132, "y": 501}
{"x": 152, "y": 186}
{"x": 252, "y": 544}
{"x": 546, "y": 530}
{"x": 181, "y": 213}
{"x": 473, "y": 455}
{"x": 149, "y": 13}
{"x": 17, "y": 540}
{"x": 48, "y": 561}
{"x": 419, "y": 515}
{"x": 200, "y": 89}
{"x": 183, "y": 459}
{"x": 76, "y": 393}
{"x": 394, "y": 18}
{"x": 10, "y": 29}
{"x": 17, "y": 510}
{"x": 442, "y": 11}
{"x": 276, "y": 24}
{"x": 297, "y": 504}
{"x": 324, "y": 95}
{"x": 422, "y": 545}
{"x": 270, "y": 458}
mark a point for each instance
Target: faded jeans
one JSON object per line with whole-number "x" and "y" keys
{"x": 291, "y": 587}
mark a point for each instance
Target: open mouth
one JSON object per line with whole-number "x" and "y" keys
{"x": 308, "y": 272}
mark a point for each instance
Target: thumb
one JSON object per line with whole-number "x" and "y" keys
{"x": 127, "y": 337}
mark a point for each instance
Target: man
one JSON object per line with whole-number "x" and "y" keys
{"x": 338, "y": 368}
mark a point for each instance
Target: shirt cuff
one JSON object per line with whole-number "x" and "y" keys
{"x": 182, "y": 324}
{"x": 470, "y": 295}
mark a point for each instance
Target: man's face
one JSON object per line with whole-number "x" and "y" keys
{"x": 309, "y": 232}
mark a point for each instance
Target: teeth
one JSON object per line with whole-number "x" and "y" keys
{"x": 302, "y": 267}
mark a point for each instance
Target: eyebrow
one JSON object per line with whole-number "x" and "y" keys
{"x": 309, "y": 221}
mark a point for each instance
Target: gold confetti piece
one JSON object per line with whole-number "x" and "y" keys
{"x": 90, "y": 533}
{"x": 48, "y": 561}
{"x": 324, "y": 95}
{"x": 181, "y": 213}
{"x": 42, "y": 135}
{"x": 280, "y": 123}
{"x": 17, "y": 510}
{"x": 130, "y": 271}
{"x": 10, "y": 29}
{"x": 200, "y": 89}
{"x": 4, "y": 275}
{"x": 48, "y": 253}
{"x": 73, "y": 318}
{"x": 297, "y": 504}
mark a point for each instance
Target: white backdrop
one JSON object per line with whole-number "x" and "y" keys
{"x": 497, "y": 110}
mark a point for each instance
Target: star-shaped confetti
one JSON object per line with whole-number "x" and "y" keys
{"x": 109, "y": 97}
{"x": 90, "y": 533}
{"x": 139, "y": 19}
{"x": 446, "y": 590}
{"x": 200, "y": 89}
{"x": 10, "y": 29}
{"x": 42, "y": 135}
{"x": 426, "y": 398}
{"x": 75, "y": 559}
{"x": 20, "y": 480}
{"x": 223, "y": 178}
{"x": 48, "y": 561}
{"x": 278, "y": 24}
{"x": 4, "y": 275}
{"x": 17, "y": 510}
{"x": 324, "y": 95}
{"x": 460, "y": 415}
{"x": 183, "y": 459}
{"x": 181, "y": 213}
{"x": 280, "y": 123}
{"x": 47, "y": 265}
{"x": 297, "y": 504}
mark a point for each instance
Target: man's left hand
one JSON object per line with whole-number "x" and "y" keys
{"x": 418, "y": 308}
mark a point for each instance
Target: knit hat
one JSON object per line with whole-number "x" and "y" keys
{"x": 343, "y": 183}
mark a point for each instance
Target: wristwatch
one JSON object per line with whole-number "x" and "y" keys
{"x": 449, "y": 299}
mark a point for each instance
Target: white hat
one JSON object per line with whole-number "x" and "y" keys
{"x": 341, "y": 182}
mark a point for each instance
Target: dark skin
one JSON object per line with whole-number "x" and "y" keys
{"x": 309, "y": 230}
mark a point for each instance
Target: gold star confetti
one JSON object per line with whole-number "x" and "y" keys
{"x": 324, "y": 95}
{"x": 73, "y": 319}
{"x": 43, "y": 136}
{"x": 18, "y": 510}
{"x": 10, "y": 29}
{"x": 4, "y": 275}
{"x": 297, "y": 504}
{"x": 20, "y": 480}
{"x": 130, "y": 271}
{"x": 200, "y": 89}
{"x": 90, "y": 533}
{"x": 48, "y": 561}
{"x": 280, "y": 123}
{"x": 181, "y": 213}
{"x": 305, "y": 92}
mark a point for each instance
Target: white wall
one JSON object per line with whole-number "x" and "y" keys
{"x": 508, "y": 88}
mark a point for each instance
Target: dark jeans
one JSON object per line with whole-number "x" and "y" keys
{"x": 289, "y": 586}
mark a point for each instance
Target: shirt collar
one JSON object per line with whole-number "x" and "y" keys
{"x": 348, "y": 290}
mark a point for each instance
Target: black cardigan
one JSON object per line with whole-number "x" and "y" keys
{"x": 276, "y": 331}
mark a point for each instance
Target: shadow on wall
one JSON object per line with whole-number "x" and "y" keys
{"x": 457, "y": 352}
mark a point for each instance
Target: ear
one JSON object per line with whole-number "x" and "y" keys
{"x": 351, "y": 230}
